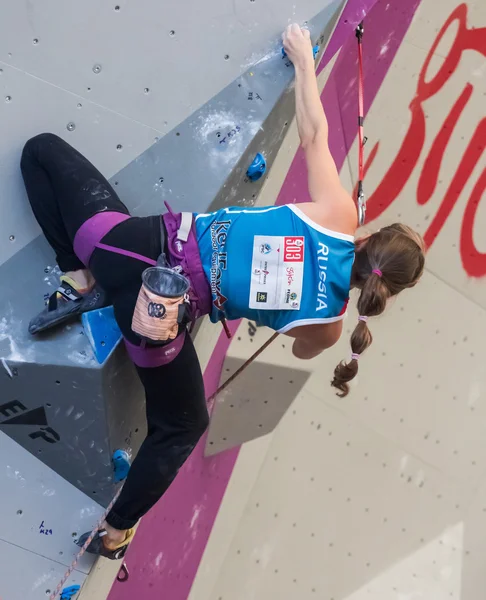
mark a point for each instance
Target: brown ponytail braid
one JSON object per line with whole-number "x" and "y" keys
{"x": 387, "y": 262}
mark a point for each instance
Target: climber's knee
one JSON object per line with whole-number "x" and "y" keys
{"x": 36, "y": 144}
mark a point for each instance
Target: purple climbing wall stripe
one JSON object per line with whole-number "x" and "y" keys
{"x": 166, "y": 553}
{"x": 351, "y": 17}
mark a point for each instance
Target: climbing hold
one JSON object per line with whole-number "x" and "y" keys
{"x": 121, "y": 465}
{"x": 315, "y": 50}
{"x": 70, "y": 592}
{"x": 102, "y": 331}
{"x": 257, "y": 168}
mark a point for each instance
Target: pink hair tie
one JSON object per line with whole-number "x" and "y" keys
{"x": 363, "y": 318}
{"x": 377, "y": 272}
{"x": 355, "y": 356}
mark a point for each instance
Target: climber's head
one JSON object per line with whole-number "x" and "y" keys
{"x": 386, "y": 263}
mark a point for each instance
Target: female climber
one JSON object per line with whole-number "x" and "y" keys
{"x": 287, "y": 267}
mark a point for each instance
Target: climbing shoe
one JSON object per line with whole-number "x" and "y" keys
{"x": 97, "y": 546}
{"x": 66, "y": 303}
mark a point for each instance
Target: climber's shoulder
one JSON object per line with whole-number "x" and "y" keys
{"x": 338, "y": 214}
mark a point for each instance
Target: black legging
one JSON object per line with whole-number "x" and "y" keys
{"x": 65, "y": 190}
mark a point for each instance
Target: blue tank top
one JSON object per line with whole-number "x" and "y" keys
{"x": 275, "y": 266}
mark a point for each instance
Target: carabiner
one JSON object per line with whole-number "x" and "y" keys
{"x": 123, "y": 574}
{"x": 361, "y": 205}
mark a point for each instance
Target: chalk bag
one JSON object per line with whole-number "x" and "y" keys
{"x": 161, "y": 304}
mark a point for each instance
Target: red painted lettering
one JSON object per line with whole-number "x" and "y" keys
{"x": 410, "y": 151}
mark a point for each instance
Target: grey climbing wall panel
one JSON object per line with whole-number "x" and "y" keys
{"x": 72, "y": 417}
{"x": 37, "y": 505}
{"x": 209, "y": 152}
{"x": 17, "y": 562}
{"x": 89, "y": 66}
{"x": 154, "y": 62}
{"x": 37, "y": 502}
{"x": 214, "y": 146}
{"x": 170, "y": 108}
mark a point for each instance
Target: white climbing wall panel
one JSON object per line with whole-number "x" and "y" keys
{"x": 255, "y": 402}
{"x": 381, "y": 486}
{"x": 443, "y": 170}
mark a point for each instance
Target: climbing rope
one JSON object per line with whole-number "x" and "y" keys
{"x": 98, "y": 525}
{"x": 224, "y": 385}
{"x": 361, "y": 200}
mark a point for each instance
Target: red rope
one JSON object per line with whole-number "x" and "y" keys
{"x": 361, "y": 108}
{"x": 67, "y": 574}
{"x": 361, "y": 138}
{"x": 361, "y": 209}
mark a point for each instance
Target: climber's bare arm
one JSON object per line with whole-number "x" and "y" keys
{"x": 323, "y": 179}
{"x": 311, "y": 340}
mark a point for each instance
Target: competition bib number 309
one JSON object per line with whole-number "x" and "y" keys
{"x": 277, "y": 272}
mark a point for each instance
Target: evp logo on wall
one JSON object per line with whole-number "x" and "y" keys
{"x": 15, "y": 413}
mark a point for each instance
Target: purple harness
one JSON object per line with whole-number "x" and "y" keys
{"x": 183, "y": 253}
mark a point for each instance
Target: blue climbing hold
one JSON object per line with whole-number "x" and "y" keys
{"x": 121, "y": 465}
{"x": 315, "y": 50}
{"x": 70, "y": 592}
{"x": 257, "y": 168}
{"x": 102, "y": 331}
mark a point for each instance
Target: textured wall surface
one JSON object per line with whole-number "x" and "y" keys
{"x": 382, "y": 494}
{"x": 169, "y": 107}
